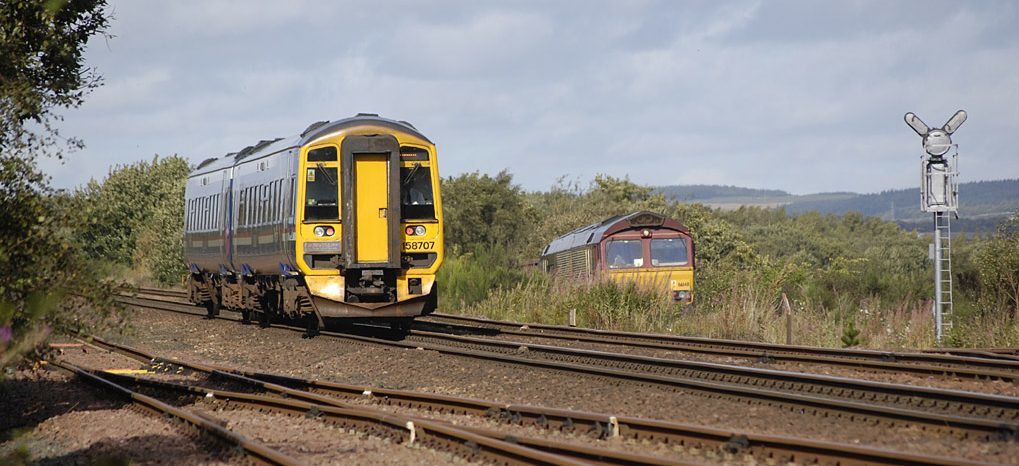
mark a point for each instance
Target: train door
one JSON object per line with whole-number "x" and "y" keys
{"x": 371, "y": 202}
{"x": 372, "y": 198}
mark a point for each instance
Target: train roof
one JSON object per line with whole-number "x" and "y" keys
{"x": 312, "y": 132}
{"x": 594, "y": 233}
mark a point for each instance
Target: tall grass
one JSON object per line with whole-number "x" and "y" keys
{"x": 730, "y": 304}
{"x": 597, "y": 304}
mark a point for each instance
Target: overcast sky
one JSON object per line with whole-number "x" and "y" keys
{"x": 804, "y": 96}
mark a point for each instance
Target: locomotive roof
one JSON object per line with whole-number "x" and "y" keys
{"x": 594, "y": 233}
{"x": 314, "y": 131}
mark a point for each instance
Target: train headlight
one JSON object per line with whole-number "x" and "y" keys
{"x": 409, "y": 231}
{"x": 320, "y": 231}
{"x": 330, "y": 231}
{"x": 419, "y": 230}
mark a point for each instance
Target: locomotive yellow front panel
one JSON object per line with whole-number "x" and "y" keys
{"x": 371, "y": 175}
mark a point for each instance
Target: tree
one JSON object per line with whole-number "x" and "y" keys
{"x": 42, "y": 43}
{"x": 484, "y": 211}
{"x": 998, "y": 268}
{"x": 43, "y": 282}
{"x": 135, "y": 218}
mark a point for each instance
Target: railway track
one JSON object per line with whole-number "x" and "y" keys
{"x": 469, "y": 445}
{"x": 319, "y": 395}
{"x": 983, "y": 415}
{"x": 962, "y": 363}
{"x": 255, "y": 451}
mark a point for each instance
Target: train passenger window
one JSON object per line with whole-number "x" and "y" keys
{"x": 624, "y": 254}
{"x": 241, "y": 201}
{"x": 322, "y": 154}
{"x": 321, "y": 194}
{"x": 263, "y": 197}
{"x": 252, "y": 203}
{"x": 668, "y": 251}
{"x": 417, "y": 201}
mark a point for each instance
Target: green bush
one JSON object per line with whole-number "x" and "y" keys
{"x": 136, "y": 220}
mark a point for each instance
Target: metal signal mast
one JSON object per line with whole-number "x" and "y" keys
{"x": 939, "y": 194}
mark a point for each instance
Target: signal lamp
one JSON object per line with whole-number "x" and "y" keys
{"x": 320, "y": 231}
{"x": 409, "y": 231}
{"x": 419, "y": 230}
{"x": 330, "y": 231}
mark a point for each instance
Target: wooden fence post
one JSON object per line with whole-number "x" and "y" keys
{"x": 788, "y": 311}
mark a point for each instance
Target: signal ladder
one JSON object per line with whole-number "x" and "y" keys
{"x": 943, "y": 263}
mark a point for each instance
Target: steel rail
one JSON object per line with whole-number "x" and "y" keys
{"x": 257, "y": 451}
{"x": 595, "y": 424}
{"x": 918, "y": 362}
{"x": 855, "y": 405}
{"x": 1002, "y": 408}
{"x": 436, "y": 435}
{"x": 952, "y": 362}
{"x": 506, "y": 442}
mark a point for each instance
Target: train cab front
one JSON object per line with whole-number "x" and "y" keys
{"x": 370, "y": 240}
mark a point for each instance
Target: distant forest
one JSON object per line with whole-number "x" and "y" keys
{"x": 703, "y": 192}
{"x": 982, "y": 204}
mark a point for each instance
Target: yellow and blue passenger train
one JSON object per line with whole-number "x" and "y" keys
{"x": 342, "y": 221}
{"x": 642, "y": 247}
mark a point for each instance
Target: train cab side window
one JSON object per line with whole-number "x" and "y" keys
{"x": 416, "y": 197}
{"x": 321, "y": 194}
{"x": 322, "y": 154}
{"x": 624, "y": 254}
{"x": 668, "y": 252}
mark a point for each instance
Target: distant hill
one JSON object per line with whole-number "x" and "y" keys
{"x": 982, "y": 204}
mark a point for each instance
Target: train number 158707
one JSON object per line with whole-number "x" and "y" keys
{"x": 418, "y": 245}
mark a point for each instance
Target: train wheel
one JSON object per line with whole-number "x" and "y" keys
{"x": 401, "y": 325}
{"x": 312, "y": 325}
{"x": 212, "y": 308}
{"x": 270, "y": 304}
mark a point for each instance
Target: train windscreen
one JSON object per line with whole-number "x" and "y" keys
{"x": 622, "y": 254}
{"x": 668, "y": 252}
{"x": 321, "y": 194}
{"x": 417, "y": 201}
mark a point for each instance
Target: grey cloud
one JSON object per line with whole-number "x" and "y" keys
{"x": 802, "y": 96}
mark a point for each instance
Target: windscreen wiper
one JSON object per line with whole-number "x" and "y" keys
{"x": 410, "y": 175}
{"x": 321, "y": 166}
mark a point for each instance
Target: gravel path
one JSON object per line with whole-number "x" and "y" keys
{"x": 282, "y": 351}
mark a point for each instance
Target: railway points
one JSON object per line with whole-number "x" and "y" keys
{"x": 598, "y": 426}
{"x": 256, "y": 451}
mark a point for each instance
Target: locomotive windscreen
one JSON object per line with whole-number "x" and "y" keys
{"x": 321, "y": 194}
{"x": 417, "y": 200}
{"x": 668, "y": 252}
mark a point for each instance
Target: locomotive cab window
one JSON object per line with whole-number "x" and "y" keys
{"x": 417, "y": 201}
{"x": 668, "y": 252}
{"x": 321, "y": 193}
{"x": 624, "y": 254}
